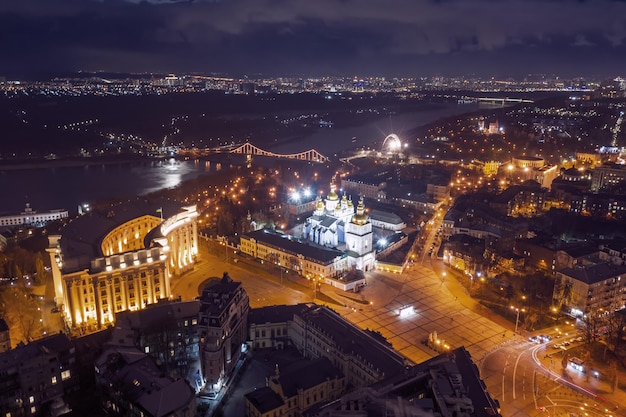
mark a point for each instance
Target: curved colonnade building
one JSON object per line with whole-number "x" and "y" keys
{"x": 121, "y": 258}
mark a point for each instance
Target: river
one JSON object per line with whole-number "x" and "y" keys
{"x": 65, "y": 187}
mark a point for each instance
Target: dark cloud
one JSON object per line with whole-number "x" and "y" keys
{"x": 287, "y": 36}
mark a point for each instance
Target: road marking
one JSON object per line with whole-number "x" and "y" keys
{"x": 503, "y": 375}
{"x": 515, "y": 371}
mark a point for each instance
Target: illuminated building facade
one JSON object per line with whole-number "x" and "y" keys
{"x": 524, "y": 167}
{"x": 334, "y": 240}
{"x": 30, "y": 216}
{"x": 607, "y": 175}
{"x": 121, "y": 258}
{"x": 335, "y": 224}
{"x": 308, "y": 260}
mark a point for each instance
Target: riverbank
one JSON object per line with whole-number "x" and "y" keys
{"x": 69, "y": 162}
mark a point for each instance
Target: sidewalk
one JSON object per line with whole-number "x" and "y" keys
{"x": 451, "y": 282}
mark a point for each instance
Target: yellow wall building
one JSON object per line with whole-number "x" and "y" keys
{"x": 121, "y": 258}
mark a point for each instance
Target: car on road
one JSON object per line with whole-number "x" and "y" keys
{"x": 209, "y": 395}
{"x": 544, "y": 338}
{"x": 556, "y": 346}
{"x": 534, "y": 339}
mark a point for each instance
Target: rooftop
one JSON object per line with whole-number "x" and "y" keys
{"x": 217, "y": 295}
{"x": 275, "y": 314}
{"x": 591, "y": 274}
{"x": 306, "y": 374}
{"x": 384, "y": 216}
{"x": 352, "y": 340}
{"x": 157, "y": 313}
{"x": 295, "y": 246}
{"x": 264, "y": 399}
{"x": 448, "y": 384}
{"x": 143, "y": 383}
{"x": 55, "y": 344}
{"x": 82, "y": 237}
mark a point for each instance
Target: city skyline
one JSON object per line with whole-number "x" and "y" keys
{"x": 245, "y": 37}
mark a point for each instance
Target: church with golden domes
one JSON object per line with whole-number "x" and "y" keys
{"x": 336, "y": 223}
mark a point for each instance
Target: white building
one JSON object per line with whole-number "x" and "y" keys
{"x": 30, "y": 216}
{"x": 334, "y": 224}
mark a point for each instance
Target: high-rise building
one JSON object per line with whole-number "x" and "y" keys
{"x": 223, "y": 329}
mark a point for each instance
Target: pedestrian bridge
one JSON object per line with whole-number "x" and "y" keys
{"x": 249, "y": 149}
{"x": 501, "y": 100}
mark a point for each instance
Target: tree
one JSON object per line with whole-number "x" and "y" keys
{"x": 40, "y": 270}
{"x": 591, "y": 324}
{"x": 4, "y": 262}
{"x": 273, "y": 257}
{"x": 225, "y": 225}
{"x": 530, "y": 321}
{"x": 294, "y": 264}
{"x": 21, "y": 311}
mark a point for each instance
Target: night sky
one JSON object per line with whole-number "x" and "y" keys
{"x": 315, "y": 37}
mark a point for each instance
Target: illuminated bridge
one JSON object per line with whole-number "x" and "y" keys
{"x": 249, "y": 149}
{"x": 502, "y": 100}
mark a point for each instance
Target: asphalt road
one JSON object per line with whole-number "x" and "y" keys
{"x": 527, "y": 383}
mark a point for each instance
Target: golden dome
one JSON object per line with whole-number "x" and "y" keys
{"x": 350, "y": 203}
{"x": 360, "y": 217}
{"x": 332, "y": 195}
{"x": 320, "y": 204}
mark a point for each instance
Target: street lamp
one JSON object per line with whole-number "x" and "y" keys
{"x": 517, "y": 310}
{"x": 316, "y": 282}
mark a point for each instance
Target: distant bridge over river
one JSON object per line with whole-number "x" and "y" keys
{"x": 495, "y": 100}
{"x": 249, "y": 149}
